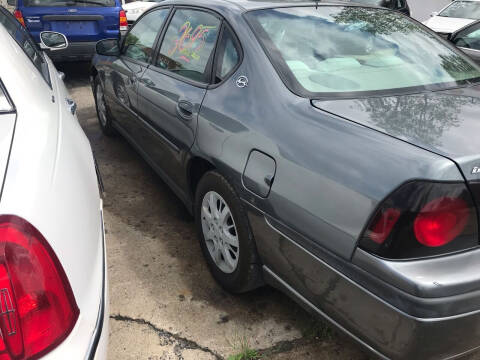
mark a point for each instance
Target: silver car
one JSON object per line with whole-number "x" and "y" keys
{"x": 327, "y": 149}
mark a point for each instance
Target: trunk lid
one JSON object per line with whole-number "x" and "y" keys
{"x": 444, "y": 122}
{"x": 80, "y": 21}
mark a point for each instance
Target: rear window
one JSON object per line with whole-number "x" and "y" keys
{"x": 26, "y": 43}
{"x": 462, "y": 9}
{"x": 68, "y": 3}
{"x": 351, "y": 50}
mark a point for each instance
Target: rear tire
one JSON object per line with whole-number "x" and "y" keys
{"x": 103, "y": 114}
{"x": 225, "y": 236}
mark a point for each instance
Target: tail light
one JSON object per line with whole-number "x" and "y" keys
{"x": 19, "y": 16}
{"x": 123, "y": 21}
{"x": 37, "y": 306}
{"x": 423, "y": 219}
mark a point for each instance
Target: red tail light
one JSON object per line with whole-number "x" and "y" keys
{"x": 123, "y": 21}
{"x": 423, "y": 219}
{"x": 19, "y": 16}
{"x": 37, "y": 306}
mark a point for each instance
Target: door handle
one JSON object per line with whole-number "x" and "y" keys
{"x": 72, "y": 105}
{"x": 185, "y": 109}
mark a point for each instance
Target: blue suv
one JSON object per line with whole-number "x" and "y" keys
{"x": 84, "y": 22}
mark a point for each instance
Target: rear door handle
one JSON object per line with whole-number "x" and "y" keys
{"x": 185, "y": 109}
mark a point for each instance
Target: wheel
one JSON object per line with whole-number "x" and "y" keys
{"x": 104, "y": 117}
{"x": 225, "y": 236}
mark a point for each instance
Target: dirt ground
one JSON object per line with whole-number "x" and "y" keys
{"x": 164, "y": 304}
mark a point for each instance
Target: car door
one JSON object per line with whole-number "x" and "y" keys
{"x": 136, "y": 53}
{"x": 468, "y": 40}
{"x": 172, "y": 89}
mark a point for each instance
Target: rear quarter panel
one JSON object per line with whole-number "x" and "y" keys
{"x": 331, "y": 173}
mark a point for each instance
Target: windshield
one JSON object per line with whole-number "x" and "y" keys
{"x": 335, "y": 49}
{"x": 463, "y": 9}
{"x": 68, "y": 3}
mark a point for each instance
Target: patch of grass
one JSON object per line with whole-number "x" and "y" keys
{"x": 243, "y": 351}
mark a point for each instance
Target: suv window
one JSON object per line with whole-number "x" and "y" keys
{"x": 25, "y": 41}
{"x": 141, "y": 38}
{"x": 228, "y": 55}
{"x": 189, "y": 43}
{"x": 68, "y": 3}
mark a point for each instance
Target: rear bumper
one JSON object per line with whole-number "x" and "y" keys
{"x": 362, "y": 312}
{"x": 76, "y": 51}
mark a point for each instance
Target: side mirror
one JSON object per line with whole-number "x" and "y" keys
{"x": 435, "y": 13}
{"x": 53, "y": 40}
{"x": 108, "y": 47}
{"x": 12, "y": 2}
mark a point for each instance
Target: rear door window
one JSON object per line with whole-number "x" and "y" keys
{"x": 228, "y": 55}
{"x": 187, "y": 48}
{"x": 25, "y": 41}
{"x": 141, "y": 38}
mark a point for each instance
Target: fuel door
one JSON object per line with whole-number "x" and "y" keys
{"x": 259, "y": 173}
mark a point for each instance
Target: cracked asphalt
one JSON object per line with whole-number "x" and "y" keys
{"x": 164, "y": 304}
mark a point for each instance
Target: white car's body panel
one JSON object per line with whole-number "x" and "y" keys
{"x": 447, "y": 25}
{"x": 51, "y": 182}
{"x": 135, "y": 9}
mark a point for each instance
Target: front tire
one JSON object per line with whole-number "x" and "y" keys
{"x": 103, "y": 114}
{"x": 225, "y": 237}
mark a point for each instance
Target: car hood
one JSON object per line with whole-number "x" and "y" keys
{"x": 444, "y": 122}
{"x": 447, "y": 25}
{"x": 138, "y": 5}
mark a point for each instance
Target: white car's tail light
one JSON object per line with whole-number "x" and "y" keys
{"x": 37, "y": 305}
{"x": 422, "y": 219}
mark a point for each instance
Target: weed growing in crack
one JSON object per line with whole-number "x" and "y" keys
{"x": 242, "y": 349}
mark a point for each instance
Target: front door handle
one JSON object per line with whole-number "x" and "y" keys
{"x": 185, "y": 110}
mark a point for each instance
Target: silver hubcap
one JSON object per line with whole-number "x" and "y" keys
{"x": 102, "y": 109}
{"x": 220, "y": 232}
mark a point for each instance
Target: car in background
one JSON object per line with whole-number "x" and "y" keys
{"x": 53, "y": 284}
{"x": 83, "y": 22}
{"x": 135, "y": 9}
{"x": 467, "y": 39}
{"x": 341, "y": 168}
{"x": 454, "y": 16}
{"x": 399, "y": 5}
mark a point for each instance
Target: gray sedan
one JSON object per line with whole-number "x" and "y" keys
{"x": 325, "y": 149}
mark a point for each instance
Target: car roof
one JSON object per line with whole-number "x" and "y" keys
{"x": 247, "y": 5}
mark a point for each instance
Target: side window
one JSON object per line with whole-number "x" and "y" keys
{"x": 25, "y": 41}
{"x": 140, "y": 40}
{"x": 228, "y": 55}
{"x": 468, "y": 38}
{"x": 189, "y": 43}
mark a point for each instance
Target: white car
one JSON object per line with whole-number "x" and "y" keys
{"x": 135, "y": 9}
{"x": 53, "y": 300}
{"x": 454, "y": 16}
